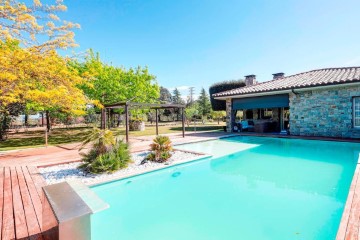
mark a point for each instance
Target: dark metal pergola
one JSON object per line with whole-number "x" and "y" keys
{"x": 128, "y": 105}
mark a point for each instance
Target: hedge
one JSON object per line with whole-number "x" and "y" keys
{"x": 220, "y": 105}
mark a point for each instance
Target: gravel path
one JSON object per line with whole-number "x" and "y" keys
{"x": 70, "y": 171}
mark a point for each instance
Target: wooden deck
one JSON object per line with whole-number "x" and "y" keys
{"x": 21, "y": 203}
{"x": 349, "y": 228}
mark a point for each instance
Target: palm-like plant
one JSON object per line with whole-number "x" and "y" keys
{"x": 100, "y": 139}
{"x": 106, "y": 154}
{"x": 160, "y": 148}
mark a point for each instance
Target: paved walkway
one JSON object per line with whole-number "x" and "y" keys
{"x": 53, "y": 155}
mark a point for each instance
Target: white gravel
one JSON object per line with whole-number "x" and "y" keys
{"x": 70, "y": 171}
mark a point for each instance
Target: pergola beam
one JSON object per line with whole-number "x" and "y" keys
{"x": 128, "y": 105}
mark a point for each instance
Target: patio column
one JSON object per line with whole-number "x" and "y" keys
{"x": 103, "y": 118}
{"x": 229, "y": 115}
{"x": 183, "y": 122}
{"x": 157, "y": 122}
{"x": 127, "y": 122}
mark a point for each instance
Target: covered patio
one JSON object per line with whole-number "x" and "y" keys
{"x": 127, "y": 106}
{"x": 262, "y": 114}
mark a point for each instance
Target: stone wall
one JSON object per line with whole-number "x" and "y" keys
{"x": 323, "y": 112}
{"x": 229, "y": 115}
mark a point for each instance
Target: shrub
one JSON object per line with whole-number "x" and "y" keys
{"x": 122, "y": 154}
{"x": 118, "y": 157}
{"x": 104, "y": 163}
{"x": 219, "y": 105}
{"x": 106, "y": 155}
{"x": 160, "y": 148}
{"x": 100, "y": 139}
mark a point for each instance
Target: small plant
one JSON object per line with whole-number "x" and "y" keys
{"x": 106, "y": 154}
{"x": 160, "y": 148}
{"x": 100, "y": 139}
{"x": 104, "y": 163}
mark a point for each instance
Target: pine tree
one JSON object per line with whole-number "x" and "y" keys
{"x": 204, "y": 105}
{"x": 177, "y": 97}
{"x": 165, "y": 95}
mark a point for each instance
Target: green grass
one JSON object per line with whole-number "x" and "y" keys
{"x": 73, "y": 135}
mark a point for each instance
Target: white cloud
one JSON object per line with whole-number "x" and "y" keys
{"x": 180, "y": 88}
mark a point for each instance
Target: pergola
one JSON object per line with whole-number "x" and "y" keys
{"x": 128, "y": 105}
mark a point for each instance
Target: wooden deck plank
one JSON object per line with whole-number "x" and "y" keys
{"x": 352, "y": 230}
{"x": 30, "y": 214}
{"x": 8, "y": 226}
{"x": 36, "y": 200}
{"x": 21, "y": 230}
{"x": 1, "y": 196}
{"x": 37, "y": 179}
{"x": 341, "y": 234}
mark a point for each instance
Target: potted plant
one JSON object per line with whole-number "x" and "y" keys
{"x": 137, "y": 123}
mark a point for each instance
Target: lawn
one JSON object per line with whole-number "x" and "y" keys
{"x": 63, "y": 136}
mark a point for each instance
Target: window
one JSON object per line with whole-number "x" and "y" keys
{"x": 356, "y": 112}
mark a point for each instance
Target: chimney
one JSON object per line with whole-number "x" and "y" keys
{"x": 250, "y": 80}
{"x": 278, "y": 75}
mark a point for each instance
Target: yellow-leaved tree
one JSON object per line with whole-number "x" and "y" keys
{"x": 37, "y": 25}
{"x": 32, "y": 74}
{"x": 41, "y": 81}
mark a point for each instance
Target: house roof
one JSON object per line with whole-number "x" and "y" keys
{"x": 314, "y": 78}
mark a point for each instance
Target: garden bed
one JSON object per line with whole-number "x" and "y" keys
{"x": 70, "y": 171}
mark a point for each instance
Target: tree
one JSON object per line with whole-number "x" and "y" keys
{"x": 218, "y": 115}
{"x": 219, "y": 105}
{"x": 165, "y": 95}
{"x": 36, "y": 26}
{"x": 190, "y": 114}
{"x": 109, "y": 84}
{"x": 190, "y": 98}
{"x": 40, "y": 81}
{"x": 177, "y": 97}
{"x": 204, "y": 106}
{"x": 32, "y": 74}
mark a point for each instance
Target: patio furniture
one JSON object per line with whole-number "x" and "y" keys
{"x": 246, "y": 126}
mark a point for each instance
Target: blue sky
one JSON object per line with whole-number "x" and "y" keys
{"x": 199, "y": 42}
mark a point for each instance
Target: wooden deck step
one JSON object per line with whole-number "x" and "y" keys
{"x": 1, "y": 198}
{"x": 20, "y": 203}
{"x": 21, "y": 231}
{"x": 32, "y": 222}
{"x": 8, "y": 225}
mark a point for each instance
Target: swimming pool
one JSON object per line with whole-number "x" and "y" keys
{"x": 252, "y": 188}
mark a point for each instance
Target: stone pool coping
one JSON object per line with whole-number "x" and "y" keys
{"x": 201, "y": 156}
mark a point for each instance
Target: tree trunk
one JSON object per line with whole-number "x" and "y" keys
{"x": 48, "y": 124}
{"x": 42, "y": 119}
{"x": 26, "y": 119}
{"x": 3, "y": 128}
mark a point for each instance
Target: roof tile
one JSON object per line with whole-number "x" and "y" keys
{"x": 319, "y": 77}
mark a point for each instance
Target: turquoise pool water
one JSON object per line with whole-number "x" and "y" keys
{"x": 253, "y": 188}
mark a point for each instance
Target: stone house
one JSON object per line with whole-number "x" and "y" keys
{"x": 323, "y": 102}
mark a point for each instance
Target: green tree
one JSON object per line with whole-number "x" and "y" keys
{"x": 204, "y": 105}
{"x": 109, "y": 84}
{"x": 177, "y": 97}
{"x": 191, "y": 113}
{"x": 165, "y": 95}
{"x": 217, "y": 115}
